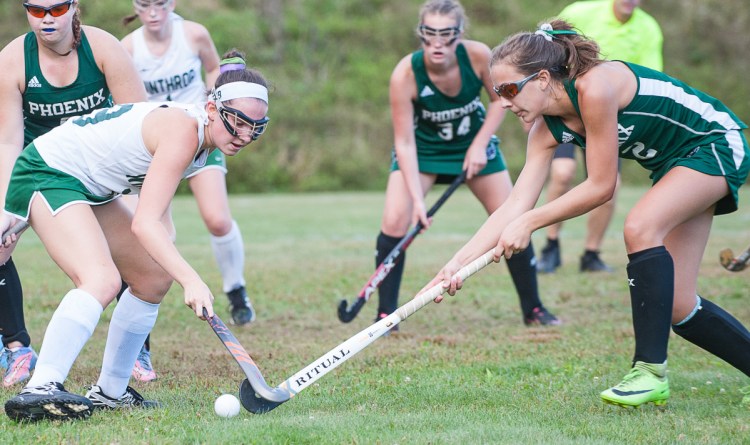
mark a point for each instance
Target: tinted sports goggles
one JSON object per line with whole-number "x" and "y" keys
{"x": 56, "y": 10}
{"x": 509, "y": 90}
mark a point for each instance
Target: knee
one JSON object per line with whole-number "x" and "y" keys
{"x": 563, "y": 172}
{"x": 640, "y": 234}
{"x": 152, "y": 287}
{"x": 218, "y": 225}
{"x": 394, "y": 225}
{"x": 109, "y": 287}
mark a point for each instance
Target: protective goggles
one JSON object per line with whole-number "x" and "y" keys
{"x": 56, "y": 10}
{"x": 446, "y": 36}
{"x": 238, "y": 123}
{"x": 509, "y": 90}
{"x": 144, "y": 5}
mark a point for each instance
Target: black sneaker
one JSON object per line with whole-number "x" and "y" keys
{"x": 49, "y": 401}
{"x": 550, "y": 259}
{"x": 541, "y": 316}
{"x": 242, "y": 310}
{"x": 131, "y": 399}
{"x": 381, "y": 316}
{"x": 590, "y": 262}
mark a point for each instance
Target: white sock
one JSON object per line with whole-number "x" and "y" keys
{"x": 229, "y": 251}
{"x": 69, "y": 329}
{"x": 132, "y": 320}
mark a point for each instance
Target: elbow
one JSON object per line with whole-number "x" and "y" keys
{"x": 604, "y": 194}
{"x": 138, "y": 228}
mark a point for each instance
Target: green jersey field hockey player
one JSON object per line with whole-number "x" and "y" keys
{"x": 698, "y": 157}
{"x": 441, "y": 128}
{"x": 67, "y": 184}
{"x": 59, "y": 70}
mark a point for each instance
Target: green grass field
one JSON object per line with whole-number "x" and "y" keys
{"x": 464, "y": 371}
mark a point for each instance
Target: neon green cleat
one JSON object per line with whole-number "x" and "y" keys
{"x": 645, "y": 383}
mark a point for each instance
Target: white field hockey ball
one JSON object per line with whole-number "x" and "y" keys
{"x": 227, "y": 405}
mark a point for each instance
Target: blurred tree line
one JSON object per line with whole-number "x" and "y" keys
{"x": 329, "y": 62}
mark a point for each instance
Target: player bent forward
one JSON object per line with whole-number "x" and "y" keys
{"x": 67, "y": 184}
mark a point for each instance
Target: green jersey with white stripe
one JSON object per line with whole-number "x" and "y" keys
{"x": 666, "y": 119}
{"x": 46, "y": 106}
{"x": 670, "y": 124}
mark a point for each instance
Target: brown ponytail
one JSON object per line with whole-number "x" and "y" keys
{"x": 238, "y": 72}
{"x": 565, "y": 53}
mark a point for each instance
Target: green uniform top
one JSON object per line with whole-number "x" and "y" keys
{"x": 441, "y": 120}
{"x": 639, "y": 40}
{"x": 666, "y": 124}
{"x": 46, "y": 106}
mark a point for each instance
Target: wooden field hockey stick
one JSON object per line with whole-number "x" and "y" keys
{"x": 346, "y": 312}
{"x": 252, "y": 397}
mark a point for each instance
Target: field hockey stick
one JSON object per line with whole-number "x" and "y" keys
{"x": 254, "y": 401}
{"x": 345, "y": 311}
{"x": 732, "y": 264}
{"x": 17, "y": 228}
{"x": 248, "y": 366}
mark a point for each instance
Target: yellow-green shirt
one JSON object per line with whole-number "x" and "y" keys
{"x": 639, "y": 40}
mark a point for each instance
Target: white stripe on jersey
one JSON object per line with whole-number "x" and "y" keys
{"x": 661, "y": 88}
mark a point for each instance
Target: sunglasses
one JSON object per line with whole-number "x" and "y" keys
{"x": 238, "y": 123}
{"x": 54, "y": 10}
{"x": 509, "y": 90}
{"x": 446, "y": 36}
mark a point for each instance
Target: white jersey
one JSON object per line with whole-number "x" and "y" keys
{"x": 105, "y": 149}
{"x": 174, "y": 76}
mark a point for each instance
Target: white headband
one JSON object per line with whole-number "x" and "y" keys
{"x": 236, "y": 90}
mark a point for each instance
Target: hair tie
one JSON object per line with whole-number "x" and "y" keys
{"x": 231, "y": 64}
{"x": 546, "y": 31}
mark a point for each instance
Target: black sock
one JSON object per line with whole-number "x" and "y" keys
{"x": 390, "y": 285}
{"x": 123, "y": 287}
{"x": 552, "y": 242}
{"x": 522, "y": 268}
{"x": 715, "y": 330}
{"x": 12, "y": 323}
{"x": 651, "y": 283}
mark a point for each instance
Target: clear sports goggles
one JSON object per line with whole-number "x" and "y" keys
{"x": 238, "y": 123}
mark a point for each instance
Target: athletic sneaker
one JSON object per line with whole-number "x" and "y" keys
{"x": 19, "y": 364}
{"x": 131, "y": 399}
{"x": 645, "y": 383}
{"x": 142, "y": 370}
{"x": 590, "y": 262}
{"x": 550, "y": 259}
{"x": 381, "y": 316}
{"x": 541, "y": 316}
{"x": 49, "y": 401}
{"x": 242, "y": 310}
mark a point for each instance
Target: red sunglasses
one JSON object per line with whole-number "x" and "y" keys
{"x": 510, "y": 90}
{"x": 54, "y": 10}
